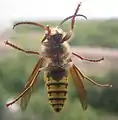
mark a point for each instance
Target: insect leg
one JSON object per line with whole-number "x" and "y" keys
{"x": 92, "y": 81}
{"x": 44, "y": 38}
{"x": 82, "y": 58}
{"x": 23, "y": 93}
{"x": 69, "y": 34}
{"x": 26, "y": 98}
{"x": 73, "y": 18}
{"x": 20, "y": 49}
{"x": 20, "y": 96}
{"x": 28, "y": 87}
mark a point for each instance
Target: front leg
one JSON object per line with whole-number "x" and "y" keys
{"x": 67, "y": 36}
{"x": 20, "y": 49}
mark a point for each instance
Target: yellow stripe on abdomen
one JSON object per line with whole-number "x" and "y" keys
{"x": 57, "y": 93}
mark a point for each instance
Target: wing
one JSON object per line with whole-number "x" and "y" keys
{"x": 30, "y": 83}
{"x": 77, "y": 79}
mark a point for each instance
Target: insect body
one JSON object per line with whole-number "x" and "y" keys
{"x": 56, "y": 62}
{"x": 57, "y": 69}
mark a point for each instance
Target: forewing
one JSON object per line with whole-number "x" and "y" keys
{"x": 77, "y": 79}
{"x": 25, "y": 99}
{"x": 32, "y": 80}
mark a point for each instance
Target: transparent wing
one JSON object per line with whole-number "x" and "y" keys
{"x": 25, "y": 100}
{"x": 77, "y": 79}
{"x": 31, "y": 81}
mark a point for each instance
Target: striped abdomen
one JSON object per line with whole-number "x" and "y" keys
{"x": 57, "y": 90}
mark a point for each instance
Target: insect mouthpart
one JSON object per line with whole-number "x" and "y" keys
{"x": 55, "y": 35}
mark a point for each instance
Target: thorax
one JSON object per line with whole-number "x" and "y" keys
{"x": 56, "y": 53}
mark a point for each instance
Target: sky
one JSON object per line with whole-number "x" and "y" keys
{"x": 54, "y": 9}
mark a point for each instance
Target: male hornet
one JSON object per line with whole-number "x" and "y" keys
{"x": 55, "y": 60}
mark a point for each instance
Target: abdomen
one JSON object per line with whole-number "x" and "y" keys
{"x": 57, "y": 88}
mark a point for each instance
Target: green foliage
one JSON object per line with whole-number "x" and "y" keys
{"x": 106, "y": 99}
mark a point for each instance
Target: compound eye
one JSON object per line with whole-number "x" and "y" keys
{"x": 57, "y": 37}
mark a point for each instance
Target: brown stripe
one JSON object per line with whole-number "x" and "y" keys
{"x": 57, "y": 98}
{"x": 57, "y": 83}
{"x": 58, "y": 104}
{"x": 57, "y": 91}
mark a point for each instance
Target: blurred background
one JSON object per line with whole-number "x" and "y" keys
{"x": 95, "y": 38}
